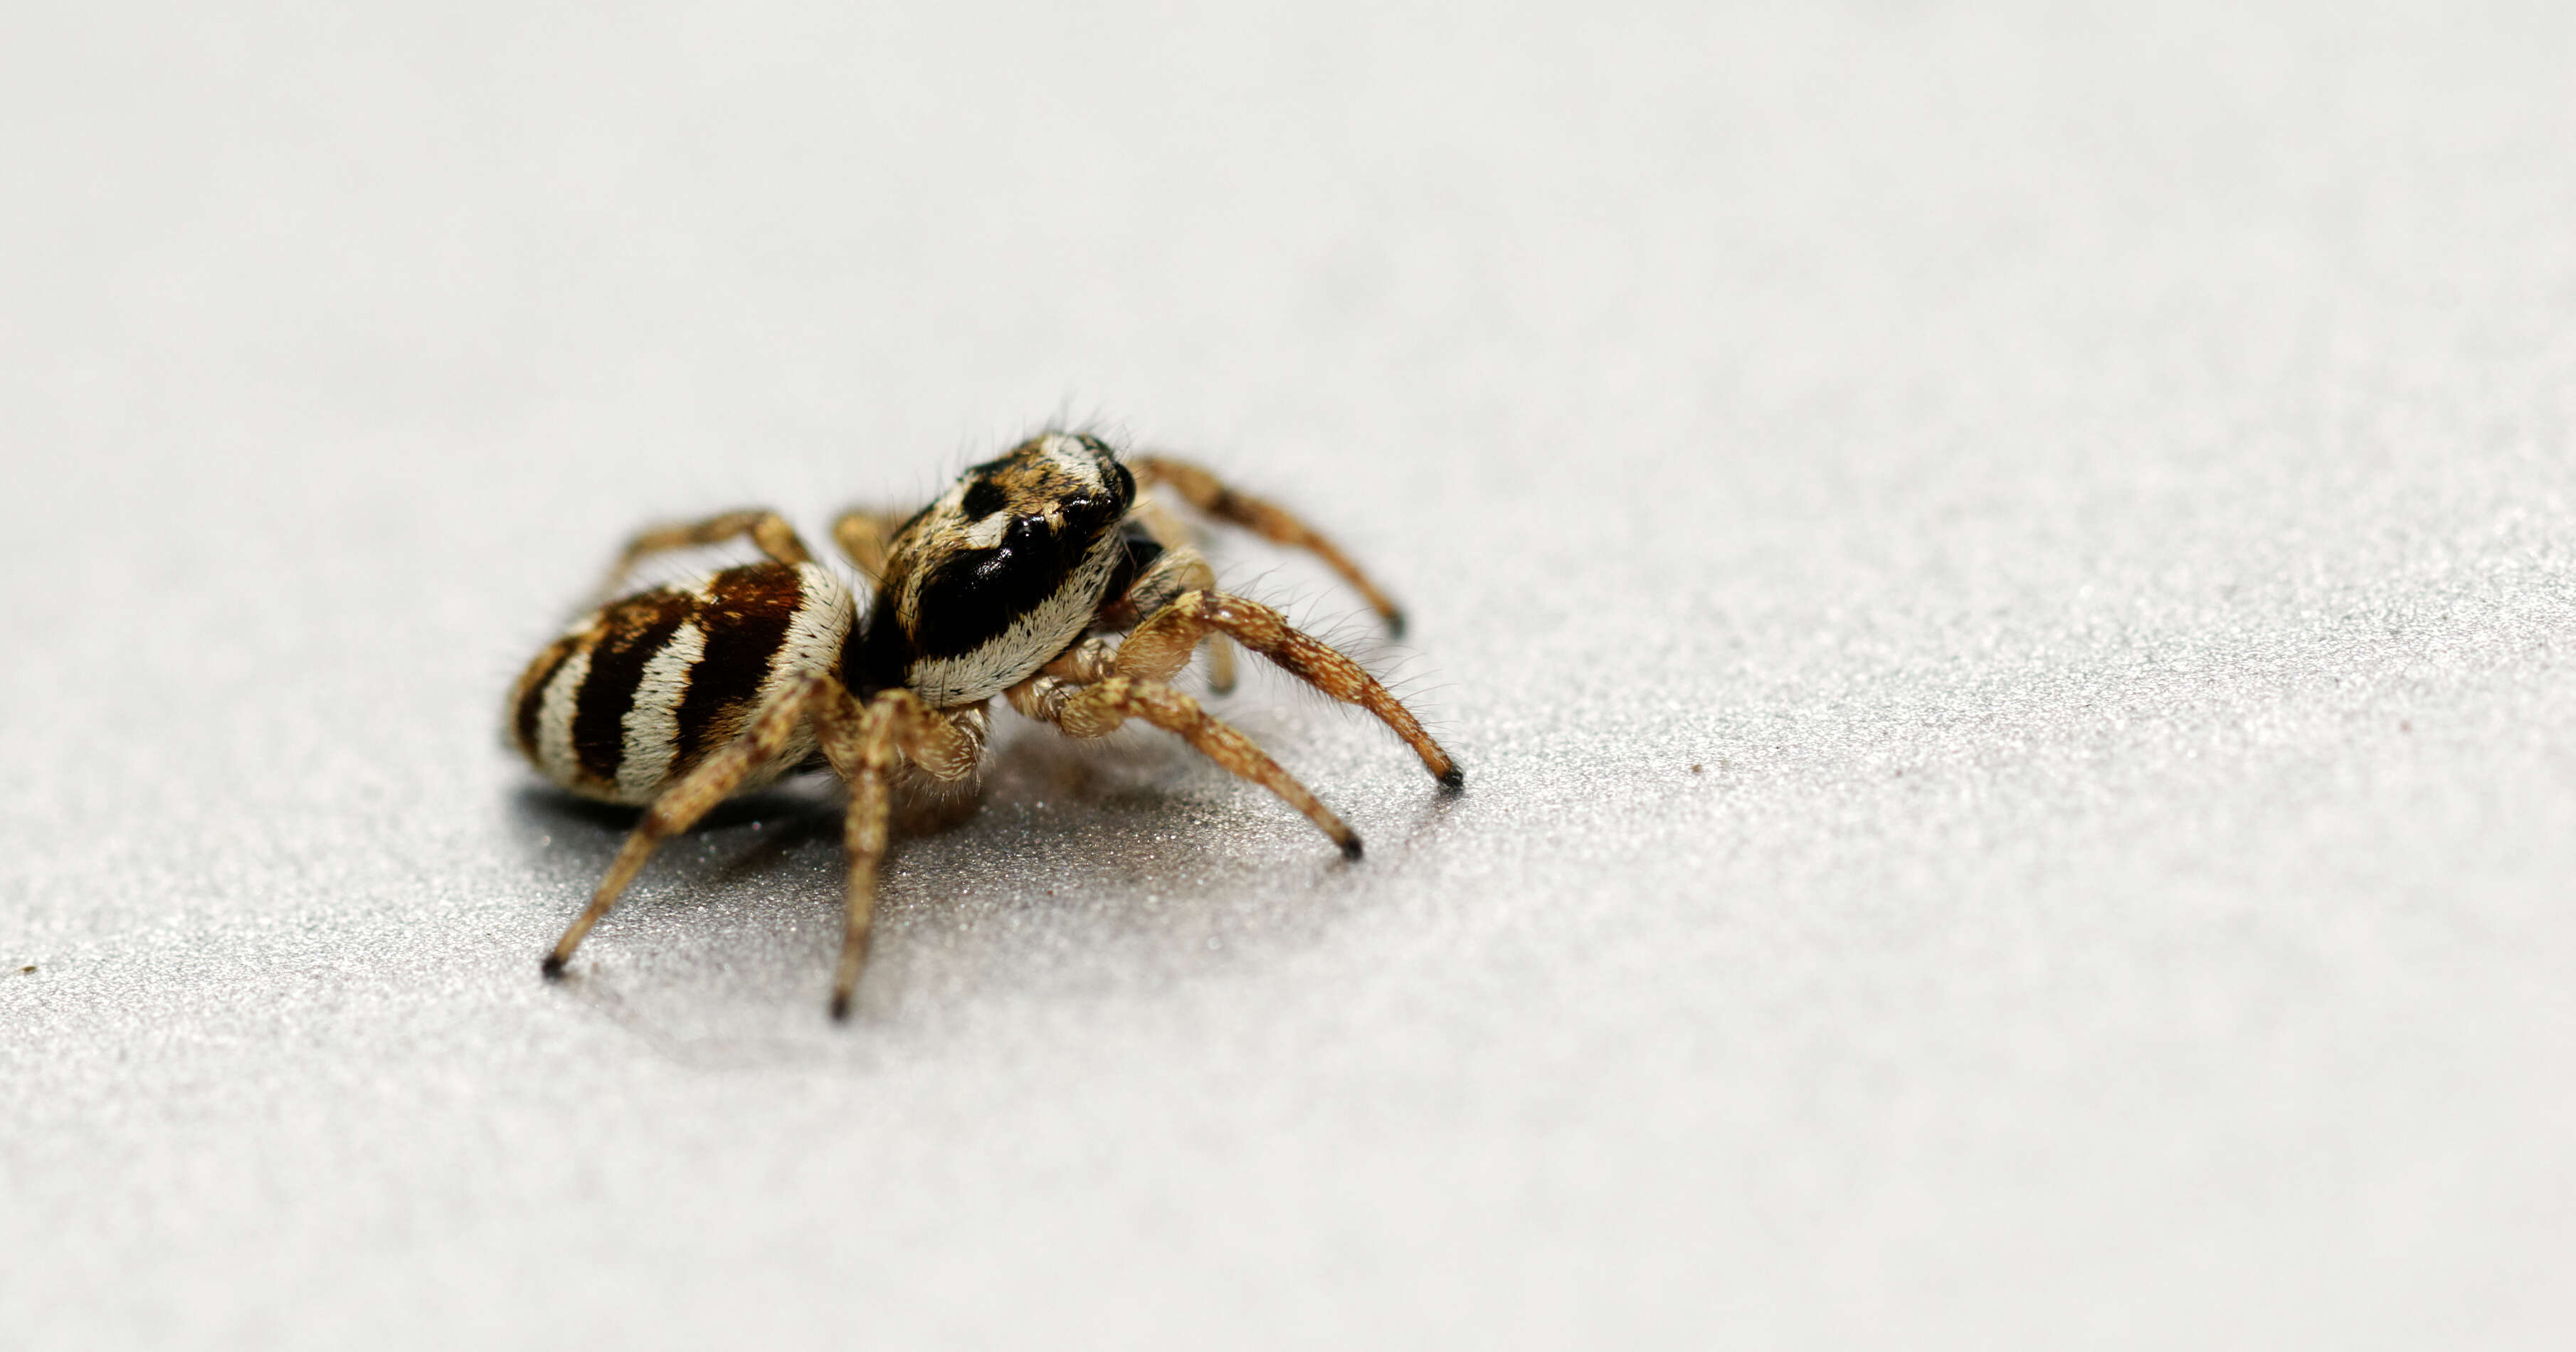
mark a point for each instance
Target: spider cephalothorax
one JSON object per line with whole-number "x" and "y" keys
{"x": 1004, "y": 571}
{"x": 1011, "y": 584}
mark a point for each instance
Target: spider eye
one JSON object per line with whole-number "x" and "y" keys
{"x": 1023, "y": 541}
{"x": 983, "y": 498}
{"x": 976, "y": 594}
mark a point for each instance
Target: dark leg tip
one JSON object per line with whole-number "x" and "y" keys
{"x": 552, "y": 967}
{"x": 840, "y": 1009}
{"x": 1453, "y": 779}
{"x": 1351, "y": 847}
{"x": 1395, "y": 624}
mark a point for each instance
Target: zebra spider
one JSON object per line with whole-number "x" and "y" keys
{"x": 1011, "y": 584}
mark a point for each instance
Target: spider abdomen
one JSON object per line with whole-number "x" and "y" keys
{"x": 638, "y": 692}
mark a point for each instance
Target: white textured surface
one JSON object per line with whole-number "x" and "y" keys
{"x": 2095, "y": 495}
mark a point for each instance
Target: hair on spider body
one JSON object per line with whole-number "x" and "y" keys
{"x": 1048, "y": 577}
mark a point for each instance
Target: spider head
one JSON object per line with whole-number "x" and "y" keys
{"x": 995, "y": 578}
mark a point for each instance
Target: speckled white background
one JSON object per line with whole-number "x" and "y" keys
{"x": 2093, "y": 492}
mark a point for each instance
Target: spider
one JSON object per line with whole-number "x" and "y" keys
{"x": 1012, "y": 584}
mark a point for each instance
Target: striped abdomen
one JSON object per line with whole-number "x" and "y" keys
{"x": 636, "y": 693}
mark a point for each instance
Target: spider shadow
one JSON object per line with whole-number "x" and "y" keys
{"x": 800, "y": 811}
{"x": 551, "y": 823}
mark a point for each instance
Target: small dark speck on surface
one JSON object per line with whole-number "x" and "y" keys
{"x": 1696, "y": 767}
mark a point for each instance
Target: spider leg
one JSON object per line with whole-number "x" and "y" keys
{"x": 867, "y": 744}
{"x": 1162, "y": 644}
{"x": 679, "y": 806}
{"x": 768, "y": 531}
{"x": 1266, "y": 519}
{"x": 1098, "y": 710}
{"x": 863, "y": 533}
{"x": 1181, "y": 569}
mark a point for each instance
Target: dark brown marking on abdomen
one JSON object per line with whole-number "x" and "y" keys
{"x": 532, "y": 692}
{"x": 745, "y": 623}
{"x": 636, "y": 629}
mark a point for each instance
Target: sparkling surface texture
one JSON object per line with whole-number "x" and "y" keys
{"x": 2004, "y": 578}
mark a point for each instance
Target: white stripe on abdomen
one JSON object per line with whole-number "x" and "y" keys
{"x": 652, "y": 723}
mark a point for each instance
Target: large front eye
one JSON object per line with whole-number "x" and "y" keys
{"x": 976, "y": 594}
{"x": 1010, "y": 544}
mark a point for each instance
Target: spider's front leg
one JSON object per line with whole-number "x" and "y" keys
{"x": 1264, "y": 518}
{"x": 1162, "y": 645}
{"x": 1096, "y": 710}
{"x": 1180, "y": 568}
{"x": 866, "y": 744}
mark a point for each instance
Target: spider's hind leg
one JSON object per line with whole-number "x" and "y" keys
{"x": 865, "y": 535}
{"x": 679, "y": 806}
{"x": 768, "y": 531}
